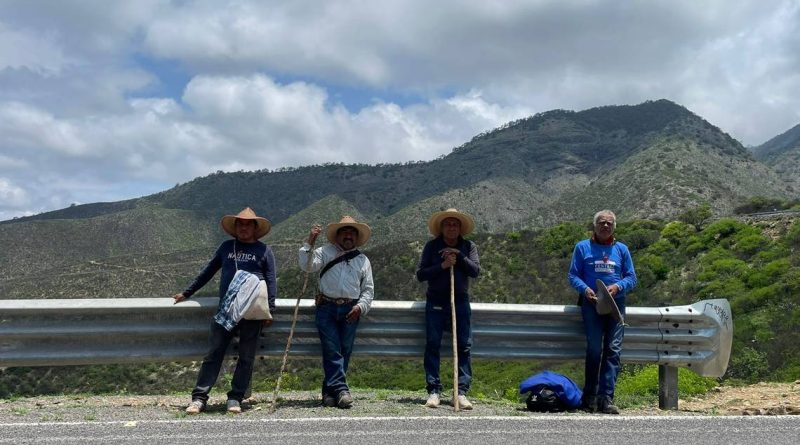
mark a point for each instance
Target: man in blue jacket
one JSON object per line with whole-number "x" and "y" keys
{"x": 448, "y": 249}
{"x": 244, "y": 252}
{"x": 601, "y": 257}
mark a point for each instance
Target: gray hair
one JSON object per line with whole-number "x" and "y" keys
{"x": 604, "y": 213}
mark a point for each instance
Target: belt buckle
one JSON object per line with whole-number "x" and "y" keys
{"x": 340, "y": 301}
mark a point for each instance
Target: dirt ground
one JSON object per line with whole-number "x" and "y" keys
{"x": 758, "y": 399}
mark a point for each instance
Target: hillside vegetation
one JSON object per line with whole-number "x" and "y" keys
{"x": 531, "y": 185}
{"x": 782, "y": 154}
{"x": 753, "y": 264}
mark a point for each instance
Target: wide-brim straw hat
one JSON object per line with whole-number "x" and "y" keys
{"x": 364, "y": 231}
{"x": 228, "y": 223}
{"x": 435, "y": 222}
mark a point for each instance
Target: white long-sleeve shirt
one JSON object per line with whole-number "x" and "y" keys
{"x": 350, "y": 279}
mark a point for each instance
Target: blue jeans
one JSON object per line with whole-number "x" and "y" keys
{"x": 603, "y": 347}
{"x": 438, "y": 318}
{"x": 337, "y": 337}
{"x": 219, "y": 339}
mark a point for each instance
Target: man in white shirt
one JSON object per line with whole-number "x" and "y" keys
{"x": 345, "y": 294}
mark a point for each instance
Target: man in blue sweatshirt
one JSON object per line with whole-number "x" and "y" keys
{"x": 244, "y": 252}
{"x": 601, "y": 257}
{"x": 448, "y": 249}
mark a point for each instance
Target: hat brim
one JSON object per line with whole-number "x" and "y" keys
{"x": 364, "y": 232}
{"x": 435, "y": 222}
{"x": 228, "y": 223}
{"x": 606, "y": 304}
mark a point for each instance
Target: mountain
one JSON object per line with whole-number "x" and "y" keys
{"x": 782, "y": 153}
{"x": 652, "y": 160}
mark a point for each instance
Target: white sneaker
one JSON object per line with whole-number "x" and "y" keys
{"x": 433, "y": 400}
{"x": 196, "y": 407}
{"x": 463, "y": 402}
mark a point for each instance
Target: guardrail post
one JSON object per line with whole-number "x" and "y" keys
{"x": 667, "y": 387}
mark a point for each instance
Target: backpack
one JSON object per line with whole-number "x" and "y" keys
{"x": 544, "y": 400}
{"x": 551, "y": 392}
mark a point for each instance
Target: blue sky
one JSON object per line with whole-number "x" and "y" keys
{"x": 102, "y": 101}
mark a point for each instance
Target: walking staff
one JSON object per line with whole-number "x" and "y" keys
{"x": 291, "y": 334}
{"x": 448, "y": 251}
{"x": 453, "y": 324}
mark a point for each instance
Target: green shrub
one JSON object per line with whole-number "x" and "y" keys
{"x": 748, "y": 365}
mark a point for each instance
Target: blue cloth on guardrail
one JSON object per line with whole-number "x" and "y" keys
{"x": 564, "y": 388}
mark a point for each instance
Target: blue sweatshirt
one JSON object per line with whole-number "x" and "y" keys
{"x": 430, "y": 269}
{"x": 256, "y": 258}
{"x": 611, "y": 263}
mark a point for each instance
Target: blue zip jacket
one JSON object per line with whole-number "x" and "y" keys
{"x": 610, "y": 263}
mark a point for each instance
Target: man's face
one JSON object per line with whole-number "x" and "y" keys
{"x": 346, "y": 237}
{"x": 245, "y": 230}
{"x": 604, "y": 228}
{"x": 451, "y": 228}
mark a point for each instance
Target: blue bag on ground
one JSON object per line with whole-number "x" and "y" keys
{"x": 551, "y": 392}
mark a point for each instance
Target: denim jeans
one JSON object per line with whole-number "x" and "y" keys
{"x": 603, "y": 346}
{"x": 219, "y": 339}
{"x": 337, "y": 336}
{"x": 438, "y": 317}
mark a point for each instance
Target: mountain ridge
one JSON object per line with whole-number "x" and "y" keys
{"x": 652, "y": 160}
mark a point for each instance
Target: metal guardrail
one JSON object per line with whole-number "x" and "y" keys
{"x": 129, "y": 330}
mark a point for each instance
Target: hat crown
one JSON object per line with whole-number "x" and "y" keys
{"x": 348, "y": 219}
{"x": 246, "y": 213}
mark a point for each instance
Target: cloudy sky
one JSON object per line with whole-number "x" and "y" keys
{"x": 107, "y": 100}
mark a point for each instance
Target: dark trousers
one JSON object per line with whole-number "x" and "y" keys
{"x": 603, "y": 346}
{"x": 219, "y": 339}
{"x": 438, "y": 318}
{"x": 337, "y": 337}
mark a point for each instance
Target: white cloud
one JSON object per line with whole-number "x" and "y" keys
{"x": 12, "y": 195}
{"x": 29, "y": 128}
{"x": 88, "y": 101}
{"x": 38, "y": 52}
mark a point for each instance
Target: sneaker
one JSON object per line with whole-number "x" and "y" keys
{"x": 328, "y": 400}
{"x": 233, "y": 406}
{"x": 463, "y": 402}
{"x": 607, "y": 406}
{"x": 344, "y": 400}
{"x": 433, "y": 400}
{"x": 196, "y": 407}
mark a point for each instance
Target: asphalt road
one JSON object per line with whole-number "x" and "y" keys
{"x": 761, "y": 430}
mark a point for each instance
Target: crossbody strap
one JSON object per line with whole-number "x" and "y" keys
{"x": 346, "y": 257}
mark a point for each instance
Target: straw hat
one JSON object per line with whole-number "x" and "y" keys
{"x": 228, "y": 222}
{"x": 363, "y": 230}
{"x": 435, "y": 223}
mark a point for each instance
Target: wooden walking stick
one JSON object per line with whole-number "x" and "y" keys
{"x": 291, "y": 330}
{"x": 455, "y": 338}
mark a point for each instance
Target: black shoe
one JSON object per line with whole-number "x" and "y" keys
{"x": 344, "y": 400}
{"x": 589, "y": 404}
{"x": 328, "y": 400}
{"x": 607, "y": 406}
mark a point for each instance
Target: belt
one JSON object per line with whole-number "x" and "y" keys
{"x": 336, "y": 301}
